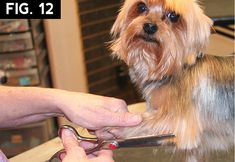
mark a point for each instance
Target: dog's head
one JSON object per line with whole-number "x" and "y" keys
{"x": 158, "y": 37}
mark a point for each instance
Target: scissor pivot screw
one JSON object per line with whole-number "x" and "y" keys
{"x": 113, "y": 145}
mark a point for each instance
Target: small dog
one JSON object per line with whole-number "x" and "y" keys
{"x": 188, "y": 93}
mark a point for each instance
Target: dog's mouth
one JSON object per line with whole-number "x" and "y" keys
{"x": 148, "y": 38}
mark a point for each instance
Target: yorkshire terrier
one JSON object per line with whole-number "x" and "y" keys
{"x": 188, "y": 93}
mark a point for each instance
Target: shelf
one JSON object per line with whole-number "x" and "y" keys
{"x": 24, "y": 61}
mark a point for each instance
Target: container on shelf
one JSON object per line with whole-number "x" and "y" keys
{"x": 20, "y": 60}
{"x": 13, "y": 25}
{"x": 27, "y": 77}
{"x": 16, "y": 42}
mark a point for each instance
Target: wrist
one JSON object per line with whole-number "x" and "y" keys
{"x": 54, "y": 98}
{"x": 23, "y": 105}
{"x": 44, "y": 100}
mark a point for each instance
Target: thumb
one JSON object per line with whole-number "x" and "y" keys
{"x": 71, "y": 146}
{"x": 123, "y": 119}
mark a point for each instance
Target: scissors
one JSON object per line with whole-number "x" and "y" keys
{"x": 147, "y": 141}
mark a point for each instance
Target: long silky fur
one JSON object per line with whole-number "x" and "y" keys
{"x": 188, "y": 95}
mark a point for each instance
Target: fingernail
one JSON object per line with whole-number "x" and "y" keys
{"x": 66, "y": 133}
{"x": 62, "y": 155}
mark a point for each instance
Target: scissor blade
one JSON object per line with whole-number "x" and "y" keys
{"x": 149, "y": 141}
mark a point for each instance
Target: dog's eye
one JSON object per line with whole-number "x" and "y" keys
{"x": 141, "y": 7}
{"x": 173, "y": 17}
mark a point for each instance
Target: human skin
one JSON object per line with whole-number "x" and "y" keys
{"x": 74, "y": 152}
{"x": 24, "y": 105}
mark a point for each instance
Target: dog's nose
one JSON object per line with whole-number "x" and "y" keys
{"x": 150, "y": 28}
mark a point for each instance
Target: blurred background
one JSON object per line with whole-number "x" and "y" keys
{"x": 72, "y": 54}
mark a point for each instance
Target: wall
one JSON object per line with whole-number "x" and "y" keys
{"x": 65, "y": 49}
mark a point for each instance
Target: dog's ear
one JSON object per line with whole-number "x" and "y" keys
{"x": 198, "y": 28}
{"x": 118, "y": 24}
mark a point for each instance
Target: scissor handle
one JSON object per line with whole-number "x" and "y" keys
{"x": 78, "y": 136}
{"x": 57, "y": 155}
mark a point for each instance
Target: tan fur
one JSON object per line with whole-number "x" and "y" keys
{"x": 129, "y": 25}
{"x": 180, "y": 86}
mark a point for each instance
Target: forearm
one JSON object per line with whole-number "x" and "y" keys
{"x": 22, "y": 105}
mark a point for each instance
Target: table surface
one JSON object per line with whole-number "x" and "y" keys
{"x": 43, "y": 152}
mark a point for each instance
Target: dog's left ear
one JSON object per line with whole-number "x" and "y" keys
{"x": 198, "y": 32}
{"x": 117, "y": 26}
{"x": 119, "y": 23}
{"x": 198, "y": 28}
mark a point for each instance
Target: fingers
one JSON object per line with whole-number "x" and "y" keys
{"x": 71, "y": 145}
{"x": 75, "y": 153}
{"x": 111, "y": 133}
{"x": 103, "y": 134}
{"x": 104, "y": 155}
{"x": 87, "y": 145}
{"x": 119, "y": 115}
{"x": 114, "y": 123}
{"x": 122, "y": 119}
{"x": 116, "y": 105}
{"x": 98, "y": 155}
{"x": 101, "y": 118}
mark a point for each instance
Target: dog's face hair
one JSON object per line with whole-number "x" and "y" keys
{"x": 156, "y": 38}
{"x": 160, "y": 41}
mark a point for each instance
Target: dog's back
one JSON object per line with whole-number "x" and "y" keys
{"x": 213, "y": 96}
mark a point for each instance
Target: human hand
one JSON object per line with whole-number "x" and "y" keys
{"x": 75, "y": 153}
{"x": 96, "y": 112}
{"x": 3, "y": 158}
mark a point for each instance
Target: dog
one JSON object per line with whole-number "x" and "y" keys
{"x": 188, "y": 93}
